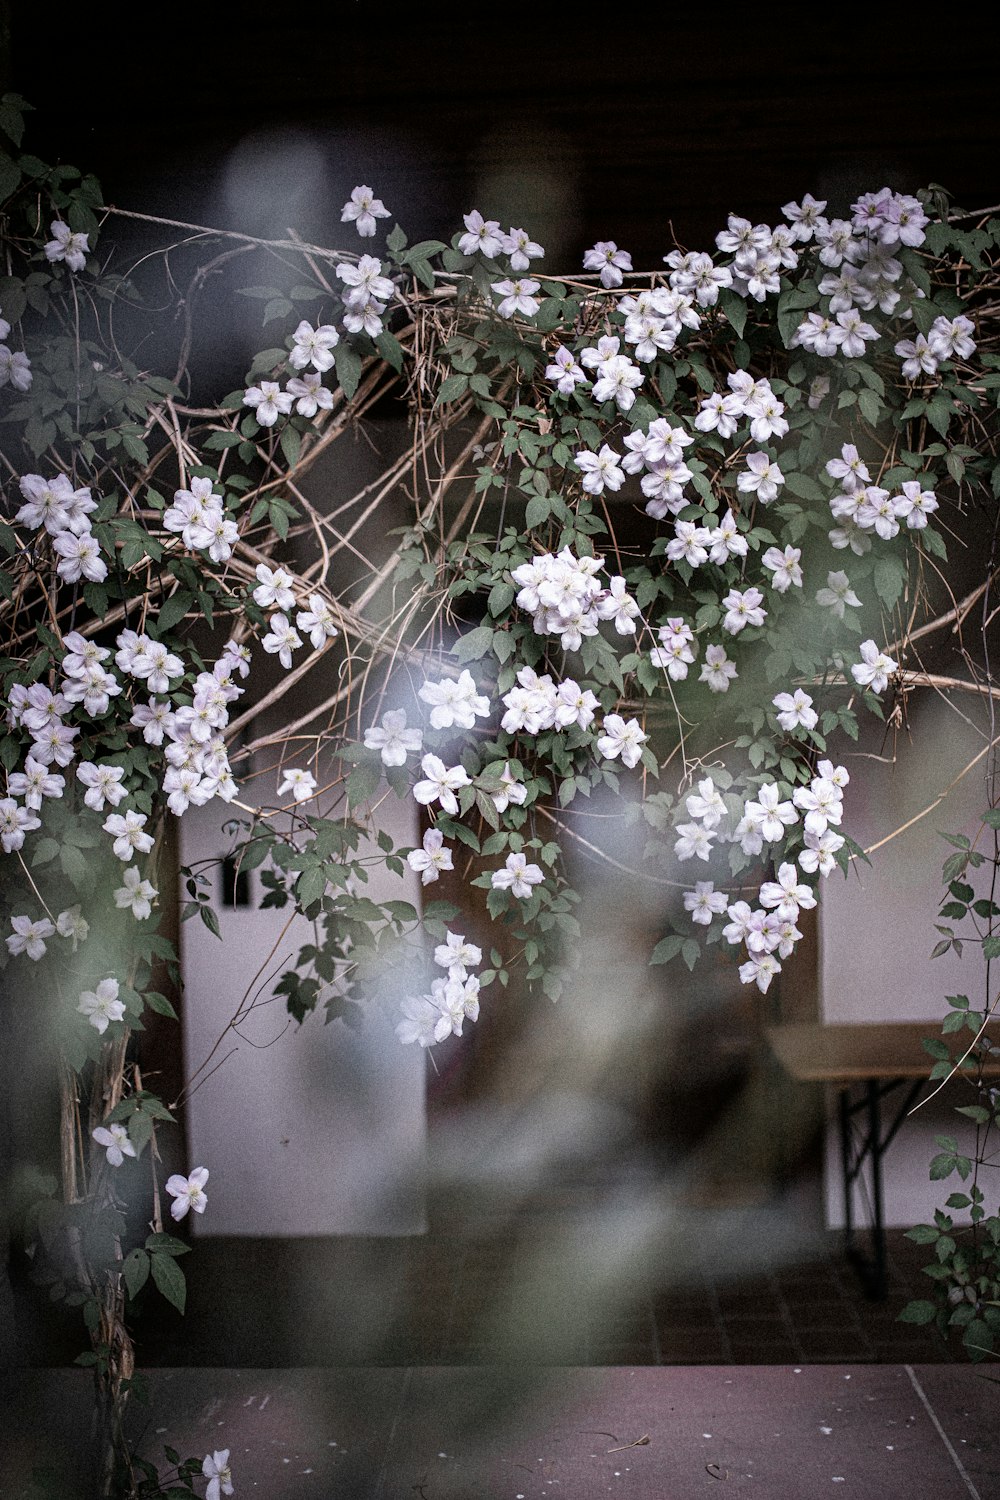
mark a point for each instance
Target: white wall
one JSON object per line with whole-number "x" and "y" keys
{"x": 877, "y": 929}
{"x": 317, "y": 1130}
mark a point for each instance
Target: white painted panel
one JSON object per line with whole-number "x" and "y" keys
{"x": 317, "y": 1130}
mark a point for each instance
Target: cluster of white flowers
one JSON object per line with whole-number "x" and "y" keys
{"x": 660, "y": 452}
{"x": 367, "y": 294}
{"x": 677, "y": 649}
{"x": 862, "y": 507}
{"x": 654, "y": 320}
{"x": 615, "y": 377}
{"x": 453, "y": 998}
{"x": 65, "y": 514}
{"x": 274, "y": 590}
{"x": 769, "y": 931}
{"x": 485, "y": 237}
{"x": 537, "y": 704}
{"x": 566, "y": 599}
{"x": 198, "y": 516}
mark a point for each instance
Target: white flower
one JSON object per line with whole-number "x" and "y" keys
{"x": 717, "y": 670}
{"x": 457, "y": 955}
{"x": 618, "y": 605}
{"x": 35, "y": 782}
{"x": 820, "y": 851}
{"x": 770, "y": 815}
{"x": 215, "y": 1466}
{"x": 81, "y": 557}
{"x": 518, "y": 296}
{"x": 565, "y": 372}
{"x": 743, "y": 609}
{"x": 785, "y": 567}
{"x": 786, "y": 895}
{"x": 115, "y": 1139}
{"x": 481, "y": 234}
{"x": 268, "y": 401}
{"x": 600, "y": 470}
{"x": 365, "y": 283}
{"x": 706, "y": 805}
{"x": 915, "y": 504}
{"x": 103, "y": 783}
{"x": 522, "y": 249}
{"x": 760, "y": 970}
{"x": 188, "y": 1192}
{"x": 513, "y": 791}
{"x": 440, "y": 784}
{"x": 393, "y": 740}
{"x": 102, "y": 1006}
{"x": 274, "y": 588}
{"x": 67, "y": 246}
{"x": 455, "y": 704}
{"x": 310, "y": 393}
{"x": 518, "y": 877}
{"x": 761, "y": 476}
{"x": 693, "y": 840}
{"x": 874, "y": 669}
{"x": 434, "y": 857}
{"x": 282, "y": 639}
{"x": 15, "y": 369}
{"x": 70, "y": 924}
{"x": 127, "y": 831}
{"x": 837, "y": 594}
{"x": 606, "y": 257}
{"x": 951, "y": 338}
{"x": 795, "y": 709}
{"x": 15, "y": 822}
{"x": 300, "y": 783}
{"x": 704, "y": 902}
{"x": 136, "y": 893}
{"x": 421, "y": 1017}
{"x": 621, "y": 738}
{"x": 363, "y": 208}
{"x": 456, "y": 1001}
{"x": 312, "y": 346}
{"x": 29, "y": 936}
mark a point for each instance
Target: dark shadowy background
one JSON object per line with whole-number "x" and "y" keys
{"x": 581, "y": 122}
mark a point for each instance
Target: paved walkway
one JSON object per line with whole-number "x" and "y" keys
{"x": 782, "y": 1432}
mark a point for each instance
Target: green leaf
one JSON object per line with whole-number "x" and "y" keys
{"x": 290, "y": 443}
{"x": 991, "y": 947}
{"x": 75, "y": 866}
{"x": 475, "y": 645}
{"x": 155, "y": 1001}
{"x": 871, "y": 407}
{"x": 209, "y": 918}
{"x": 735, "y": 309}
{"x": 135, "y": 1270}
{"x": 310, "y": 886}
{"x": 169, "y": 1279}
{"x": 666, "y": 949}
{"x": 173, "y": 610}
{"x": 918, "y": 1311}
{"x": 361, "y": 783}
{"x": 538, "y": 510}
{"x": 348, "y": 367}
{"x": 451, "y": 388}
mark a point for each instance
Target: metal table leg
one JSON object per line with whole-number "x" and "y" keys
{"x": 873, "y": 1268}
